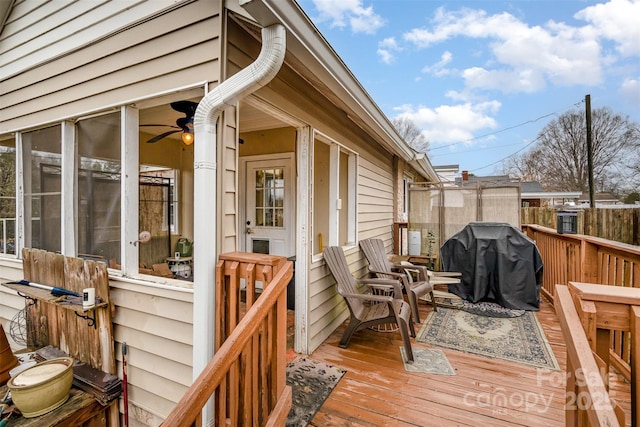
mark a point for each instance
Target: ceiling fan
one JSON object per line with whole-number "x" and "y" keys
{"x": 183, "y": 124}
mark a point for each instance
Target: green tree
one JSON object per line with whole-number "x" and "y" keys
{"x": 632, "y": 198}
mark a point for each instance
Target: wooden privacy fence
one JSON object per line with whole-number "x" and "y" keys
{"x": 247, "y": 375}
{"x": 617, "y": 224}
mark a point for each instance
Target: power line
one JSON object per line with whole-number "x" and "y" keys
{"x": 510, "y": 155}
{"x": 576, "y": 104}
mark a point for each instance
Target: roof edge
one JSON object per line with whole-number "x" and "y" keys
{"x": 308, "y": 37}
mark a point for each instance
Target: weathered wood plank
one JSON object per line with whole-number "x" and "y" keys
{"x": 376, "y": 390}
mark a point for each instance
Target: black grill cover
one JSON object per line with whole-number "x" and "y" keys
{"x": 498, "y": 263}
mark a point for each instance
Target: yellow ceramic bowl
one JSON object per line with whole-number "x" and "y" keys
{"x": 43, "y": 387}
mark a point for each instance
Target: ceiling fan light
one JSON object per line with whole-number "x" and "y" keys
{"x": 187, "y": 138}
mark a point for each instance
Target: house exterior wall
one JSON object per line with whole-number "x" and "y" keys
{"x": 176, "y": 49}
{"x": 55, "y": 76}
{"x": 375, "y": 178}
{"x": 375, "y": 220}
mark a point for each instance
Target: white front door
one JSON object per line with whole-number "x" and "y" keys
{"x": 269, "y": 219}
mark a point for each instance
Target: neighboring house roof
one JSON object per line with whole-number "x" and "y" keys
{"x": 439, "y": 168}
{"x": 531, "y": 187}
{"x": 447, "y": 173}
{"x": 487, "y": 180}
{"x": 534, "y": 190}
{"x": 599, "y": 197}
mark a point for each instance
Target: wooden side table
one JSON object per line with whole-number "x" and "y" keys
{"x": 80, "y": 408}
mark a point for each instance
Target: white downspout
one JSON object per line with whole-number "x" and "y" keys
{"x": 205, "y": 205}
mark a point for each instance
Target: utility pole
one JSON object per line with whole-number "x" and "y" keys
{"x": 592, "y": 197}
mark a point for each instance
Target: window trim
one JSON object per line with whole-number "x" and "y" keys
{"x": 335, "y": 149}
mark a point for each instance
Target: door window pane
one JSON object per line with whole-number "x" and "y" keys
{"x": 270, "y": 197}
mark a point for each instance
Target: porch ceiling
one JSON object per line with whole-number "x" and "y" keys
{"x": 251, "y": 119}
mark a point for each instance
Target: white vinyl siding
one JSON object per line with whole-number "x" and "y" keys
{"x": 145, "y": 51}
{"x": 156, "y": 323}
{"x": 176, "y": 49}
{"x": 375, "y": 219}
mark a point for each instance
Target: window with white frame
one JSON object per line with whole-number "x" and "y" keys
{"x": 99, "y": 187}
{"x": 334, "y": 195}
{"x": 8, "y": 196}
{"x": 407, "y": 180}
{"x": 42, "y": 182}
{"x": 66, "y": 187}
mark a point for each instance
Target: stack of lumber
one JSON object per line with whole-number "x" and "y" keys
{"x": 103, "y": 386}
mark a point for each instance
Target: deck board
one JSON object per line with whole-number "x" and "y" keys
{"x": 377, "y": 391}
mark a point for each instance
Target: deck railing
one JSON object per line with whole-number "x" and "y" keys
{"x": 578, "y": 258}
{"x": 589, "y": 314}
{"x": 247, "y": 375}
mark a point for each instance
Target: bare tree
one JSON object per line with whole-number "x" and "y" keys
{"x": 559, "y": 160}
{"x": 411, "y": 133}
{"x": 527, "y": 167}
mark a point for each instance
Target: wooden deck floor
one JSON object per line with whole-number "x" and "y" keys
{"x": 377, "y": 391}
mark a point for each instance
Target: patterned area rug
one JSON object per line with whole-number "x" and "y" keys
{"x": 311, "y": 382}
{"x": 490, "y": 309}
{"x": 430, "y": 361}
{"x": 517, "y": 339}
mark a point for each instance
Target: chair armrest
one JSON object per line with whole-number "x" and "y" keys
{"x": 370, "y": 297}
{"x": 380, "y": 283}
{"x": 389, "y": 273}
{"x": 445, "y": 273}
{"x": 442, "y": 280}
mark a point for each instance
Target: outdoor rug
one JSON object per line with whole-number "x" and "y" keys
{"x": 517, "y": 339}
{"x": 490, "y": 309}
{"x": 311, "y": 383}
{"x": 430, "y": 361}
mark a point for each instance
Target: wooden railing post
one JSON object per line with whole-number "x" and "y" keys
{"x": 588, "y": 262}
{"x": 634, "y": 316}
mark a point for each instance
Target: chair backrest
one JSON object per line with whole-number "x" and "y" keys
{"x": 376, "y": 255}
{"x": 345, "y": 282}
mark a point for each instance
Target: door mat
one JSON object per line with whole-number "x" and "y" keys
{"x": 516, "y": 339}
{"x": 311, "y": 382}
{"x": 430, "y": 361}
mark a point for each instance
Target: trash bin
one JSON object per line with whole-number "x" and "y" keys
{"x": 567, "y": 222}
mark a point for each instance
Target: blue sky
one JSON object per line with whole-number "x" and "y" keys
{"x": 482, "y": 78}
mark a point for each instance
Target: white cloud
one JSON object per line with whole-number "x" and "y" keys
{"x": 438, "y": 69}
{"x": 524, "y": 57}
{"x": 616, "y": 20}
{"x": 524, "y": 80}
{"x": 340, "y": 12}
{"x": 386, "y": 49}
{"x": 630, "y": 91}
{"x": 451, "y": 123}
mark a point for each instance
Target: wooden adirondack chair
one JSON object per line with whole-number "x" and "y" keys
{"x": 416, "y": 279}
{"x": 365, "y": 306}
